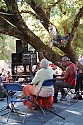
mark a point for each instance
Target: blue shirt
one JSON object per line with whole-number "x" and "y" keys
{"x": 65, "y": 38}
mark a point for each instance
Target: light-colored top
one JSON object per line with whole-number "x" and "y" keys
{"x": 41, "y": 75}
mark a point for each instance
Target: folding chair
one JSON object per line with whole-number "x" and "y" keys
{"x": 70, "y": 89}
{"x": 49, "y": 82}
{"x": 15, "y": 87}
{"x": 5, "y": 107}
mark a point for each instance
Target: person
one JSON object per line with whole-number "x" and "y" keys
{"x": 54, "y": 35}
{"x": 36, "y": 67}
{"x": 21, "y": 79}
{"x": 2, "y": 94}
{"x": 1, "y": 78}
{"x": 43, "y": 74}
{"x": 64, "y": 81}
{"x": 79, "y": 85}
{"x": 8, "y": 78}
{"x": 4, "y": 75}
{"x": 65, "y": 38}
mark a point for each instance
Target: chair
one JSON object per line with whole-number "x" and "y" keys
{"x": 15, "y": 87}
{"x": 3, "y": 94}
{"x": 69, "y": 91}
{"x": 39, "y": 101}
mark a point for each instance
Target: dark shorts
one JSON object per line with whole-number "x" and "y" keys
{"x": 60, "y": 84}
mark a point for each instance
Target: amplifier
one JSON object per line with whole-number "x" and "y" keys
{"x": 29, "y": 58}
{"x": 26, "y": 56}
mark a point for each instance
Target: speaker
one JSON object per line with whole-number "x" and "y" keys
{"x": 18, "y": 46}
{"x": 16, "y": 58}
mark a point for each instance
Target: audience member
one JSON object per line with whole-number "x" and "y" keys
{"x": 2, "y": 94}
{"x": 79, "y": 84}
{"x": 64, "y": 81}
{"x": 21, "y": 79}
{"x": 4, "y": 74}
{"x": 43, "y": 74}
{"x": 8, "y": 78}
{"x": 36, "y": 67}
{"x": 1, "y": 78}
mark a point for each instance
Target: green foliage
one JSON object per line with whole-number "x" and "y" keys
{"x": 61, "y": 15}
{"x": 3, "y": 5}
{"x": 7, "y": 46}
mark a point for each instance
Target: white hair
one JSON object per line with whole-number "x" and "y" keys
{"x": 44, "y": 63}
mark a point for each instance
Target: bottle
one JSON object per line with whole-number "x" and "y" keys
{"x": 68, "y": 99}
{"x": 59, "y": 96}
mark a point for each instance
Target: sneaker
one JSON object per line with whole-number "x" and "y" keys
{"x": 77, "y": 97}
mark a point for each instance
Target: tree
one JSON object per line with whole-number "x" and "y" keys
{"x": 13, "y": 24}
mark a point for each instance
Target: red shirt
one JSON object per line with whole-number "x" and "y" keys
{"x": 72, "y": 78}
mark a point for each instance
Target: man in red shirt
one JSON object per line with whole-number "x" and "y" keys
{"x": 67, "y": 79}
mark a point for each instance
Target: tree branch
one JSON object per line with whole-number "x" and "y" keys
{"x": 75, "y": 25}
{"x": 8, "y": 29}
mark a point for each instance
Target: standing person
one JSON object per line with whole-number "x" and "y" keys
{"x": 79, "y": 84}
{"x": 2, "y": 94}
{"x": 44, "y": 73}
{"x": 65, "y": 81}
{"x": 1, "y": 78}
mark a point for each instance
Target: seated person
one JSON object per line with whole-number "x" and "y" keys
{"x": 65, "y": 39}
{"x": 65, "y": 81}
{"x": 21, "y": 79}
{"x": 43, "y": 74}
{"x": 54, "y": 35}
{"x": 8, "y": 78}
{"x": 36, "y": 67}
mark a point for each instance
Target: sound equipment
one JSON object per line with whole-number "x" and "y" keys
{"x": 16, "y": 58}
{"x": 29, "y": 58}
{"x": 18, "y": 46}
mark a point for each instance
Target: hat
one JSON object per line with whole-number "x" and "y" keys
{"x": 65, "y": 58}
